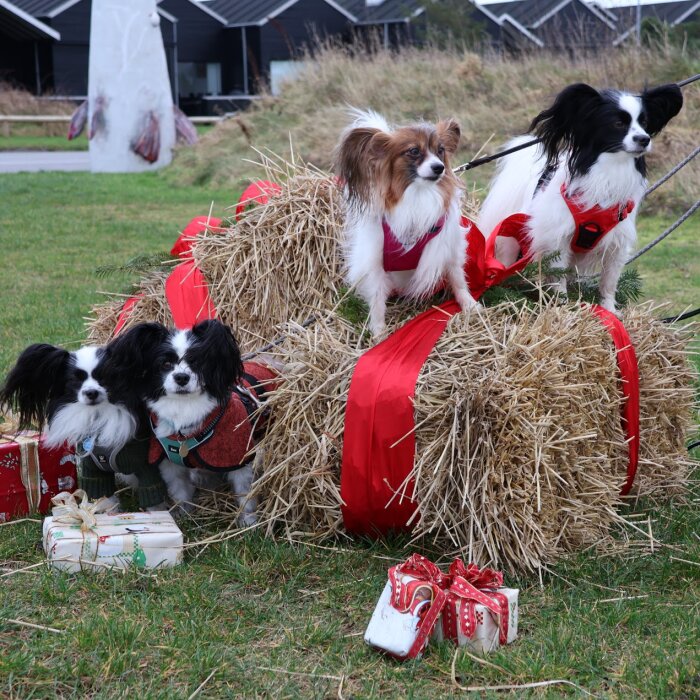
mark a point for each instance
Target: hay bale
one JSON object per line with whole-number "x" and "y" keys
{"x": 667, "y": 392}
{"x": 281, "y": 262}
{"x": 152, "y": 306}
{"x": 520, "y": 450}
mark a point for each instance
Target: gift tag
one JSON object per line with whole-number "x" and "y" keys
{"x": 184, "y": 450}
{"x": 88, "y": 444}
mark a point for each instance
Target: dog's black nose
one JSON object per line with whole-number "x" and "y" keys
{"x": 438, "y": 168}
{"x": 641, "y": 140}
{"x": 91, "y": 394}
{"x": 181, "y": 378}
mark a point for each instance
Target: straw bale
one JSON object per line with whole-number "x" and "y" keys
{"x": 667, "y": 388}
{"x": 520, "y": 448}
{"x": 152, "y": 306}
{"x": 280, "y": 262}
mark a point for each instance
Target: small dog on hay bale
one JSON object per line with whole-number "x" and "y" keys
{"x": 403, "y": 228}
{"x": 204, "y": 405}
{"x": 83, "y": 400}
{"x": 583, "y": 186}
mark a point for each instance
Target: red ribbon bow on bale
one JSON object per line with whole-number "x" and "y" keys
{"x": 473, "y": 586}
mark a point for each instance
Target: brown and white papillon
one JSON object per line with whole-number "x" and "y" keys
{"x": 402, "y": 230}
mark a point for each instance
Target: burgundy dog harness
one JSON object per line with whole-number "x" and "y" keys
{"x": 228, "y": 434}
{"x": 592, "y": 225}
{"x": 396, "y": 257}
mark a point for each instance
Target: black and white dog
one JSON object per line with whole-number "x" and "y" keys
{"x": 82, "y": 399}
{"x": 583, "y": 184}
{"x": 204, "y": 405}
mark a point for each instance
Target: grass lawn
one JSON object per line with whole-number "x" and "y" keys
{"x": 254, "y": 618}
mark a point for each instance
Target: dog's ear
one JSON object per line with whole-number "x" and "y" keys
{"x": 449, "y": 134}
{"x": 661, "y": 104}
{"x": 132, "y": 352}
{"x": 353, "y": 159}
{"x": 558, "y": 125}
{"x": 38, "y": 377}
{"x": 218, "y": 358}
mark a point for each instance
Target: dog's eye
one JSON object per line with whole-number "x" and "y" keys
{"x": 643, "y": 122}
{"x": 413, "y": 152}
{"x": 81, "y": 375}
{"x": 441, "y": 151}
{"x": 167, "y": 365}
{"x": 619, "y": 124}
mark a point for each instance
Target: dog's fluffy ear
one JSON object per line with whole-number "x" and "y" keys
{"x": 661, "y": 105}
{"x": 38, "y": 377}
{"x": 557, "y": 125}
{"x": 219, "y": 361}
{"x": 131, "y": 353}
{"x": 354, "y": 157}
{"x": 449, "y": 133}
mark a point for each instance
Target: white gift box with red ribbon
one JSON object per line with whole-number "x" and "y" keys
{"x": 408, "y": 609}
{"x": 479, "y": 612}
{"x": 467, "y": 605}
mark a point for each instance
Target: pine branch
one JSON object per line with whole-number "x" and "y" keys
{"x": 138, "y": 264}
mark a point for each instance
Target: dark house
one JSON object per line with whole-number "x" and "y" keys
{"x": 562, "y": 25}
{"x": 264, "y": 37}
{"x": 670, "y": 14}
{"x": 25, "y": 43}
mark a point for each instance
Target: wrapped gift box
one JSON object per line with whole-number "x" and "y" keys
{"x": 144, "y": 540}
{"x": 480, "y": 631}
{"x": 408, "y": 609}
{"x": 31, "y": 474}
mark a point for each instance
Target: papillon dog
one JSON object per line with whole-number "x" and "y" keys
{"x": 402, "y": 230}
{"x": 204, "y": 403}
{"x": 583, "y": 184}
{"x": 81, "y": 399}
{"x": 67, "y": 393}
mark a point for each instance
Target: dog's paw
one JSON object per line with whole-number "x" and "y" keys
{"x": 247, "y": 519}
{"x": 157, "y": 507}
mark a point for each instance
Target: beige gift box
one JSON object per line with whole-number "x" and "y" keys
{"x": 142, "y": 540}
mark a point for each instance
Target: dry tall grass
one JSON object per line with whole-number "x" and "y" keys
{"x": 493, "y": 98}
{"x": 14, "y": 100}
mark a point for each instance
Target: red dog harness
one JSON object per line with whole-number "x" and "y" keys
{"x": 228, "y": 434}
{"x": 592, "y": 225}
{"x": 396, "y": 257}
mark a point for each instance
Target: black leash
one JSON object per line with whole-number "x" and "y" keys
{"x": 487, "y": 159}
{"x": 681, "y": 317}
{"x": 693, "y": 445}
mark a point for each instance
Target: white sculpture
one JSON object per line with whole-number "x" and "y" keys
{"x": 130, "y": 111}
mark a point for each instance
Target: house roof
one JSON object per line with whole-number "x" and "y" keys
{"x": 533, "y": 13}
{"x": 44, "y": 8}
{"x": 385, "y": 11}
{"x": 242, "y": 13}
{"x": 19, "y": 24}
{"x": 672, "y": 13}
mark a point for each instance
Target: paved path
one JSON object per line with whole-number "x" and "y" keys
{"x": 34, "y": 161}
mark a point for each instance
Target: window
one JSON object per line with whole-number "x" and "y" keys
{"x": 282, "y": 71}
{"x": 199, "y": 78}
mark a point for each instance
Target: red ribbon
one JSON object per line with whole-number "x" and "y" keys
{"x": 186, "y": 239}
{"x": 257, "y": 192}
{"x": 405, "y": 596}
{"x": 124, "y": 314}
{"x": 629, "y": 384}
{"x": 188, "y": 296}
{"x": 470, "y": 587}
{"x": 379, "y": 439}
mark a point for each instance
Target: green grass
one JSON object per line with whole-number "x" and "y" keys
{"x": 242, "y": 608}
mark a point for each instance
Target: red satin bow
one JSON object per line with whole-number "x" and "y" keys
{"x": 473, "y": 586}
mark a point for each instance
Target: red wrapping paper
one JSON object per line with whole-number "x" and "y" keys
{"x": 31, "y": 475}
